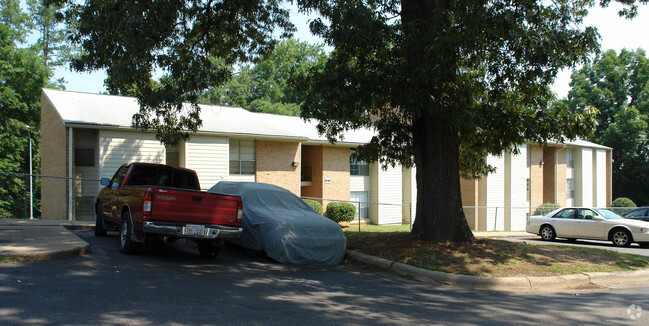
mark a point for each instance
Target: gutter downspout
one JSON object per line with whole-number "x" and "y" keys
{"x": 556, "y": 174}
{"x": 70, "y": 162}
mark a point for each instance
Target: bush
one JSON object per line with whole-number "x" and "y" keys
{"x": 546, "y": 208}
{"x": 317, "y": 207}
{"x": 341, "y": 212}
{"x": 623, "y": 202}
{"x": 626, "y": 204}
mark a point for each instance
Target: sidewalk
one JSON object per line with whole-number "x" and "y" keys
{"x": 42, "y": 239}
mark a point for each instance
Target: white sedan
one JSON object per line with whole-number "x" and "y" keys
{"x": 589, "y": 223}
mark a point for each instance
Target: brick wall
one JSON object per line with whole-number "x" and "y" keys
{"x": 335, "y": 169}
{"x": 54, "y": 154}
{"x": 549, "y": 154}
{"x": 274, "y": 164}
{"x": 470, "y": 198}
{"x": 536, "y": 175}
{"x": 312, "y": 158}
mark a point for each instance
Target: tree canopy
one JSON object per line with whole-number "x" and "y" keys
{"x": 443, "y": 83}
{"x": 192, "y": 44}
{"x": 617, "y": 85}
{"x": 23, "y": 73}
{"x": 267, "y": 85}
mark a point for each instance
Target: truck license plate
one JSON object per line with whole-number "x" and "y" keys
{"x": 192, "y": 229}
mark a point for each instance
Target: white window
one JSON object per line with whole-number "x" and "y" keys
{"x": 172, "y": 156}
{"x": 570, "y": 188}
{"x": 359, "y": 199}
{"x": 242, "y": 156}
{"x": 570, "y": 158}
{"x": 84, "y": 147}
{"x": 358, "y": 167}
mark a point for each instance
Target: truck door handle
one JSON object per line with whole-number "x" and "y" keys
{"x": 197, "y": 199}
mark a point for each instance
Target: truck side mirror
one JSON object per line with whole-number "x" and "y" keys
{"x": 105, "y": 182}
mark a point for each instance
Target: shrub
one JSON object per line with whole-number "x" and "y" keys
{"x": 317, "y": 207}
{"x": 546, "y": 208}
{"x": 623, "y": 202}
{"x": 341, "y": 212}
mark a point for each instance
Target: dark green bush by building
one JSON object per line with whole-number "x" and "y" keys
{"x": 623, "y": 202}
{"x": 546, "y": 208}
{"x": 341, "y": 212}
{"x": 622, "y": 205}
{"x": 317, "y": 207}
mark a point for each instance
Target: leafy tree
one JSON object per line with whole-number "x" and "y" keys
{"x": 618, "y": 86}
{"x": 16, "y": 21}
{"x": 131, "y": 39}
{"x": 52, "y": 43}
{"x": 611, "y": 83}
{"x": 443, "y": 82}
{"x": 265, "y": 86}
{"x": 22, "y": 75}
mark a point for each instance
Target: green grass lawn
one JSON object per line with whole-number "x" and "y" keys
{"x": 487, "y": 257}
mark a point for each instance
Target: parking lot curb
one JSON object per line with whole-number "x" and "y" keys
{"x": 40, "y": 242}
{"x": 504, "y": 284}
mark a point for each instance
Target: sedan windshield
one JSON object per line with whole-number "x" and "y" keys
{"x": 608, "y": 214}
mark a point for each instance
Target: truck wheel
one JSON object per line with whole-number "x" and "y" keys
{"x": 126, "y": 244}
{"x": 99, "y": 223}
{"x": 207, "y": 249}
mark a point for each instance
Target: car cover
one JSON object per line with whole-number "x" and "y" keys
{"x": 281, "y": 224}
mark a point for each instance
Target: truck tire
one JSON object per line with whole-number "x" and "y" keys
{"x": 99, "y": 223}
{"x": 207, "y": 249}
{"x": 126, "y": 244}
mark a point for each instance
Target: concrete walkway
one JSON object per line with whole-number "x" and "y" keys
{"x": 42, "y": 239}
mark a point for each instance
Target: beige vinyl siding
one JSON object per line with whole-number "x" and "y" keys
{"x": 492, "y": 196}
{"x": 374, "y": 192}
{"x": 86, "y": 187}
{"x": 409, "y": 195}
{"x": 584, "y": 178}
{"x": 208, "y": 156}
{"x": 599, "y": 173}
{"x": 516, "y": 189}
{"x": 359, "y": 183}
{"x": 122, "y": 147}
{"x": 390, "y": 192}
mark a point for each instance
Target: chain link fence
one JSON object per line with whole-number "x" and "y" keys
{"x": 28, "y": 203}
{"x": 480, "y": 218}
{"x": 19, "y": 200}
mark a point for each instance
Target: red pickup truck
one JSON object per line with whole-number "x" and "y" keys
{"x": 143, "y": 200}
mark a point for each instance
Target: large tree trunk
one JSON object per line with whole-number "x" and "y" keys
{"x": 439, "y": 217}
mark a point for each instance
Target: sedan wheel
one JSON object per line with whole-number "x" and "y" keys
{"x": 621, "y": 238}
{"x": 547, "y": 233}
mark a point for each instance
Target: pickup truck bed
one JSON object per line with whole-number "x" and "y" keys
{"x": 152, "y": 200}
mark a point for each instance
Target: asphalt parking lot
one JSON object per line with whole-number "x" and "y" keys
{"x": 173, "y": 285}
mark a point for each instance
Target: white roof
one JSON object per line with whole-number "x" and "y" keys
{"x": 117, "y": 112}
{"x": 580, "y": 143}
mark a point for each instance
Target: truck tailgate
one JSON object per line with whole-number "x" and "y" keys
{"x": 177, "y": 205}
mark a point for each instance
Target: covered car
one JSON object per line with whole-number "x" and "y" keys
{"x": 282, "y": 225}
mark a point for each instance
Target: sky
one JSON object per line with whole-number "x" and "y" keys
{"x": 616, "y": 33}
